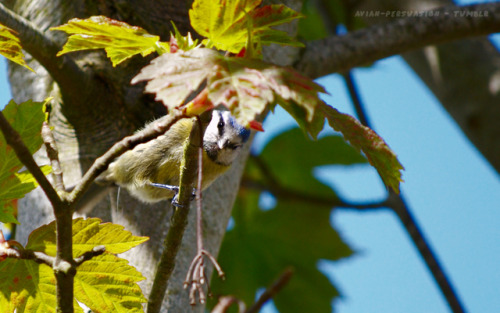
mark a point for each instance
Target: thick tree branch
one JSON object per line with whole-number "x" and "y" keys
{"x": 64, "y": 69}
{"x": 341, "y": 53}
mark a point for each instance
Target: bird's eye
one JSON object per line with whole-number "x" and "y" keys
{"x": 233, "y": 146}
{"x": 221, "y": 124}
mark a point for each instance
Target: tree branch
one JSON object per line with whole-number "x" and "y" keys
{"x": 398, "y": 204}
{"x": 53, "y": 154}
{"x": 173, "y": 240}
{"x": 65, "y": 71}
{"x": 96, "y": 251}
{"x": 271, "y": 291}
{"x": 27, "y": 254}
{"x": 341, "y": 53}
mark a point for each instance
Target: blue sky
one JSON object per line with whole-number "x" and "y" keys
{"x": 453, "y": 192}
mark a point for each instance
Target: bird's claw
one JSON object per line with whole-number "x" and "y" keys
{"x": 175, "y": 189}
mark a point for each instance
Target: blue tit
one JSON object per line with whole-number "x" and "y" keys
{"x": 145, "y": 170}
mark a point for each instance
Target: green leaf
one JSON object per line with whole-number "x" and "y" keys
{"x": 303, "y": 155}
{"x": 26, "y": 119}
{"x": 245, "y": 86}
{"x": 28, "y": 287}
{"x": 312, "y": 27}
{"x": 183, "y": 42}
{"x": 229, "y": 25}
{"x": 120, "y": 40}
{"x": 87, "y": 233}
{"x": 14, "y": 187}
{"x": 263, "y": 243}
{"x": 373, "y": 146}
{"x": 7, "y": 212}
{"x": 10, "y": 47}
{"x": 109, "y": 284}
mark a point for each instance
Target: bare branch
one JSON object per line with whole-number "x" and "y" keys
{"x": 341, "y": 53}
{"x": 26, "y": 254}
{"x": 53, "y": 154}
{"x": 398, "y": 204}
{"x": 225, "y": 302}
{"x": 270, "y": 292}
{"x": 96, "y": 251}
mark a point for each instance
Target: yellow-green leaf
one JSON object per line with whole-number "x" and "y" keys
{"x": 10, "y": 47}
{"x": 373, "y": 146}
{"x": 109, "y": 284}
{"x": 87, "y": 233}
{"x": 27, "y": 286}
{"x": 120, "y": 40}
{"x": 230, "y": 25}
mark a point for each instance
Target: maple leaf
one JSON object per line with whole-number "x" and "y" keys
{"x": 373, "y": 146}
{"x": 10, "y": 47}
{"x": 245, "y": 86}
{"x": 120, "y": 40}
{"x": 231, "y": 25}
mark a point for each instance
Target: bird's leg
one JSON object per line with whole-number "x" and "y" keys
{"x": 175, "y": 189}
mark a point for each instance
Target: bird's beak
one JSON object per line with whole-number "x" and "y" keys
{"x": 221, "y": 144}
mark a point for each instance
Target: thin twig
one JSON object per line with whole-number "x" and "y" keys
{"x": 278, "y": 190}
{"x": 27, "y": 254}
{"x": 53, "y": 154}
{"x": 270, "y": 292}
{"x": 96, "y": 251}
{"x": 341, "y": 53}
{"x": 225, "y": 303}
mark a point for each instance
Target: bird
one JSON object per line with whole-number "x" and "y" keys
{"x": 150, "y": 171}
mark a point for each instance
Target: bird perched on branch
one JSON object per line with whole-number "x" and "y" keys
{"x": 150, "y": 171}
